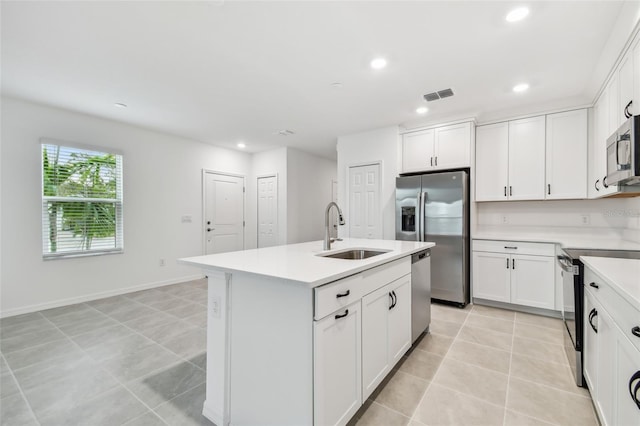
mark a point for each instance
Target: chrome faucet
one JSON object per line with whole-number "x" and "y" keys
{"x": 327, "y": 238}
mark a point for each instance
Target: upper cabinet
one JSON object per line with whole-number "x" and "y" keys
{"x": 439, "y": 148}
{"x": 534, "y": 158}
{"x": 566, "y": 156}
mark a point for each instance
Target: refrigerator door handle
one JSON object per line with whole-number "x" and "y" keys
{"x": 423, "y": 225}
{"x": 418, "y": 216}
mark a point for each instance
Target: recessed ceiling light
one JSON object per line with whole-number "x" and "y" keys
{"x": 241, "y": 145}
{"x": 517, "y": 14}
{"x": 120, "y": 105}
{"x": 378, "y": 63}
{"x": 520, "y": 87}
{"x": 422, "y": 110}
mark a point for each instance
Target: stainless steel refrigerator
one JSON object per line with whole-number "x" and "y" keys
{"x": 435, "y": 207}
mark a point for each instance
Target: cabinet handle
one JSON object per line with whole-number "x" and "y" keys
{"x": 594, "y": 285}
{"x": 510, "y": 190}
{"x": 604, "y": 182}
{"x": 511, "y": 247}
{"x": 633, "y": 390}
{"x": 513, "y": 264}
{"x": 505, "y": 191}
{"x": 592, "y": 315}
{"x": 394, "y": 300}
{"x": 343, "y": 315}
{"x": 636, "y": 331}
{"x": 431, "y": 161}
{"x": 596, "y": 185}
{"x": 345, "y": 294}
{"x": 548, "y": 189}
{"x": 507, "y": 263}
{"x": 436, "y": 160}
{"x": 390, "y": 301}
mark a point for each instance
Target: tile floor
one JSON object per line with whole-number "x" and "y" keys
{"x": 482, "y": 366}
{"x": 139, "y": 359}
{"x": 136, "y": 359}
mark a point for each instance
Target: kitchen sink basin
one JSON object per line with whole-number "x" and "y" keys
{"x": 355, "y": 254}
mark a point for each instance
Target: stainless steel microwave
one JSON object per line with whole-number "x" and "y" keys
{"x": 623, "y": 154}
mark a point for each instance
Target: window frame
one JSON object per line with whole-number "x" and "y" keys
{"x": 118, "y": 201}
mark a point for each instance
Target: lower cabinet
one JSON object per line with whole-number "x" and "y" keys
{"x": 386, "y": 331}
{"x": 526, "y": 278}
{"x": 337, "y": 366}
{"x": 611, "y": 359}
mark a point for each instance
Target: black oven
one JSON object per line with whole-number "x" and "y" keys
{"x": 573, "y": 301}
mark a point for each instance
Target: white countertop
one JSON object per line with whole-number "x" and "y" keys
{"x": 567, "y": 240}
{"x": 622, "y": 274}
{"x": 298, "y": 262}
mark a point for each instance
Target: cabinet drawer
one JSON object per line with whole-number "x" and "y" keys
{"x": 624, "y": 315}
{"x": 336, "y": 295}
{"x": 382, "y": 275}
{"x": 515, "y": 247}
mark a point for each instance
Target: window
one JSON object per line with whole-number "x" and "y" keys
{"x": 81, "y": 201}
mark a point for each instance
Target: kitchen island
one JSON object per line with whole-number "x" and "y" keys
{"x": 298, "y": 338}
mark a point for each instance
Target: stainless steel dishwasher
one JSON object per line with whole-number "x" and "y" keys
{"x": 420, "y": 293}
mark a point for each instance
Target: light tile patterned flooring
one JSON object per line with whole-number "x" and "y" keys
{"x": 139, "y": 359}
{"x": 482, "y": 366}
{"x": 136, "y": 359}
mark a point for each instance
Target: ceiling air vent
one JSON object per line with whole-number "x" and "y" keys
{"x": 441, "y": 94}
{"x": 284, "y": 132}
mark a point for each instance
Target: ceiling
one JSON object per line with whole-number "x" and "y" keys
{"x": 224, "y": 72}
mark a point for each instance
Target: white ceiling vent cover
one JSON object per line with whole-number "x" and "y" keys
{"x": 440, "y": 94}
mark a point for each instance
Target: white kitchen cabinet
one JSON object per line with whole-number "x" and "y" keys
{"x": 625, "y": 86}
{"x": 386, "y": 331}
{"x": 526, "y": 158}
{"x": 611, "y": 351}
{"x": 613, "y": 88}
{"x": 337, "y": 366}
{"x": 566, "y": 155}
{"x": 492, "y": 162}
{"x": 514, "y": 272}
{"x": 438, "y": 148}
{"x": 491, "y": 276}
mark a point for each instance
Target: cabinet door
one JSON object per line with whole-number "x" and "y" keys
{"x": 597, "y": 156}
{"x": 566, "y": 155}
{"x": 337, "y": 366}
{"x": 636, "y": 78}
{"x": 418, "y": 151}
{"x": 491, "y": 276}
{"x": 492, "y": 162}
{"x": 590, "y": 352}
{"x": 526, "y": 159}
{"x": 452, "y": 146}
{"x": 614, "y": 102}
{"x": 625, "y": 86}
{"x": 627, "y": 364}
{"x": 605, "y": 369}
{"x": 375, "y": 339}
{"x": 400, "y": 320}
{"x": 533, "y": 281}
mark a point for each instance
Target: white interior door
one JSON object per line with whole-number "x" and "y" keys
{"x": 224, "y": 213}
{"x": 267, "y": 211}
{"x": 364, "y": 202}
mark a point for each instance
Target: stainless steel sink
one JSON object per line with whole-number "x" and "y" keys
{"x": 355, "y": 254}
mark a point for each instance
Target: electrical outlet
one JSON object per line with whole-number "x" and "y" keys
{"x": 505, "y": 219}
{"x": 162, "y": 262}
{"x": 215, "y": 306}
{"x": 585, "y": 219}
{"x": 187, "y": 218}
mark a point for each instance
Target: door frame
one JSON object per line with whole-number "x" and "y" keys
{"x": 268, "y": 175}
{"x": 203, "y": 200}
{"x": 347, "y": 199}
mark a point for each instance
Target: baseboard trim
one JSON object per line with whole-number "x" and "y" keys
{"x": 212, "y": 415}
{"x": 519, "y": 308}
{"x": 96, "y": 296}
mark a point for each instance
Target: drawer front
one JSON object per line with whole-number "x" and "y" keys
{"x": 624, "y": 315}
{"x": 515, "y": 247}
{"x": 336, "y": 295}
{"x": 382, "y": 275}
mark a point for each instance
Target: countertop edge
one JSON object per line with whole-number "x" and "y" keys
{"x": 602, "y": 273}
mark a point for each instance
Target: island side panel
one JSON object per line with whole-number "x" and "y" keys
{"x": 216, "y": 405}
{"x": 271, "y": 331}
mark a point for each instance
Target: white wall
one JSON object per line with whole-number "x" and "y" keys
{"x": 368, "y": 147}
{"x": 309, "y": 191}
{"x": 268, "y": 163}
{"x": 162, "y": 181}
{"x": 610, "y": 217}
